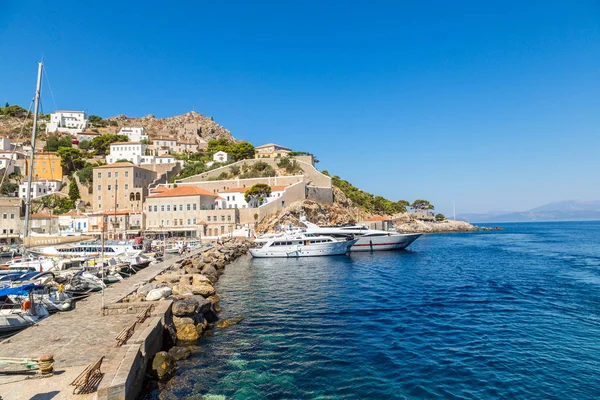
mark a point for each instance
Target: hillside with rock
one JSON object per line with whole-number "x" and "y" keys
{"x": 342, "y": 211}
{"x": 191, "y": 126}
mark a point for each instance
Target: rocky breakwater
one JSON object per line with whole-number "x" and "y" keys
{"x": 189, "y": 283}
{"x": 435, "y": 226}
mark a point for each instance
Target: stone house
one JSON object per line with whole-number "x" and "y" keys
{"x": 271, "y": 150}
{"x": 120, "y": 185}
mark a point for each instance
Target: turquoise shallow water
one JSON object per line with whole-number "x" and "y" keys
{"x": 511, "y": 314}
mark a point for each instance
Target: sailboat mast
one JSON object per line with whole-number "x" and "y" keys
{"x": 38, "y": 90}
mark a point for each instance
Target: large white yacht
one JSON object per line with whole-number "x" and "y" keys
{"x": 111, "y": 248}
{"x": 300, "y": 245}
{"x": 368, "y": 239}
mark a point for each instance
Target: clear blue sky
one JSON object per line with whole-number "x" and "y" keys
{"x": 495, "y": 106}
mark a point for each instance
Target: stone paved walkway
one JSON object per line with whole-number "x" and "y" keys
{"x": 76, "y": 338}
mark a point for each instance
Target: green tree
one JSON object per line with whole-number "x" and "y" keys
{"x": 221, "y": 144}
{"x": 241, "y": 151}
{"x": 257, "y": 194}
{"x": 54, "y": 142}
{"x": 402, "y": 205}
{"x": 85, "y": 145}
{"x": 102, "y": 143}
{"x": 421, "y": 204}
{"x": 71, "y": 158}
{"x": 86, "y": 174}
{"x": 14, "y": 111}
{"x": 94, "y": 119}
{"x": 8, "y": 188}
{"x": 74, "y": 190}
{"x": 440, "y": 217}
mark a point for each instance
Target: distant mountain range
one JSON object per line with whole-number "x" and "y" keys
{"x": 568, "y": 210}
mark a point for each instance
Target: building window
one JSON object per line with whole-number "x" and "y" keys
{"x": 168, "y": 207}
{"x": 155, "y": 207}
{"x": 4, "y": 216}
{"x": 99, "y": 175}
{"x": 222, "y": 218}
{"x": 149, "y": 208}
{"x": 229, "y": 218}
{"x": 108, "y": 174}
{"x": 189, "y": 221}
{"x": 194, "y": 221}
{"x": 12, "y": 216}
{"x": 99, "y": 187}
{"x": 126, "y": 174}
{"x": 208, "y": 218}
{"x": 116, "y": 174}
{"x": 188, "y": 207}
{"x": 194, "y": 207}
{"x": 181, "y": 207}
{"x": 99, "y": 197}
{"x": 162, "y": 208}
{"x": 126, "y": 186}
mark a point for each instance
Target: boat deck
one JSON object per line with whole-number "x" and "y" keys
{"x": 76, "y": 339}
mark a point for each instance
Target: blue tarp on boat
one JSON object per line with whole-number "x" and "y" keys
{"x": 18, "y": 276}
{"x": 18, "y": 290}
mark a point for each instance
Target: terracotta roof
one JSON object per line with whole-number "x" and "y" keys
{"x": 89, "y": 133}
{"x": 278, "y": 188}
{"x": 119, "y": 164}
{"x": 165, "y": 138}
{"x": 184, "y": 191}
{"x": 378, "y": 218}
{"x": 42, "y": 216}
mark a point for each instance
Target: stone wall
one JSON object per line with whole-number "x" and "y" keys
{"x": 215, "y": 186}
{"x": 323, "y": 195}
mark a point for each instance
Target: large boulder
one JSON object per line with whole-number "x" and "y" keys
{"x": 180, "y": 352}
{"x": 167, "y": 278}
{"x": 187, "y": 333}
{"x": 203, "y": 289}
{"x": 180, "y": 321}
{"x": 163, "y": 365}
{"x": 184, "y": 307}
{"x": 210, "y": 272}
{"x": 159, "y": 293}
{"x": 144, "y": 289}
{"x": 182, "y": 289}
{"x": 198, "y": 278}
{"x": 204, "y": 305}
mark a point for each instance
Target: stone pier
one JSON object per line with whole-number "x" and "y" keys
{"x": 79, "y": 337}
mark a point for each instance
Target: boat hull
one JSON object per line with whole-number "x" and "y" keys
{"x": 314, "y": 250}
{"x": 380, "y": 243}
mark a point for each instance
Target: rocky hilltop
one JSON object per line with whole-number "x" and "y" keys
{"x": 191, "y": 127}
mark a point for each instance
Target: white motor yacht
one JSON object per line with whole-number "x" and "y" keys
{"x": 368, "y": 239}
{"x": 300, "y": 245}
{"x": 111, "y": 248}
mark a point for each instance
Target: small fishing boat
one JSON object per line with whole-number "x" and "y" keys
{"x": 18, "y": 308}
{"x": 300, "y": 245}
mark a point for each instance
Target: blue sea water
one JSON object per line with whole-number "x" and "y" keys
{"x": 511, "y": 314}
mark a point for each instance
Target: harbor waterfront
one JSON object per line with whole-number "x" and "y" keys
{"x": 503, "y": 314}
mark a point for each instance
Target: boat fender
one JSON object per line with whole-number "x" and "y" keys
{"x": 61, "y": 288}
{"x": 26, "y": 305}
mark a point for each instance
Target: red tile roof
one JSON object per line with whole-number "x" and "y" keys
{"x": 42, "y": 216}
{"x": 184, "y": 191}
{"x": 378, "y": 218}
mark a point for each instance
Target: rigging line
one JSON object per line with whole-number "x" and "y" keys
{"x": 49, "y": 87}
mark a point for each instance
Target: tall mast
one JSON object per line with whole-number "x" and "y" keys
{"x": 115, "y": 216}
{"x": 38, "y": 90}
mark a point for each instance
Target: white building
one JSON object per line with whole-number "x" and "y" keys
{"x": 5, "y": 144}
{"x": 235, "y": 197}
{"x": 73, "y": 222}
{"x": 133, "y": 133}
{"x": 7, "y": 162}
{"x": 135, "y": 152}
{"x": 130, "y": 151}
{"x": 221, "y": 156}
{"x": 39, "y": 188}
{"x": 67, "y": 121}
